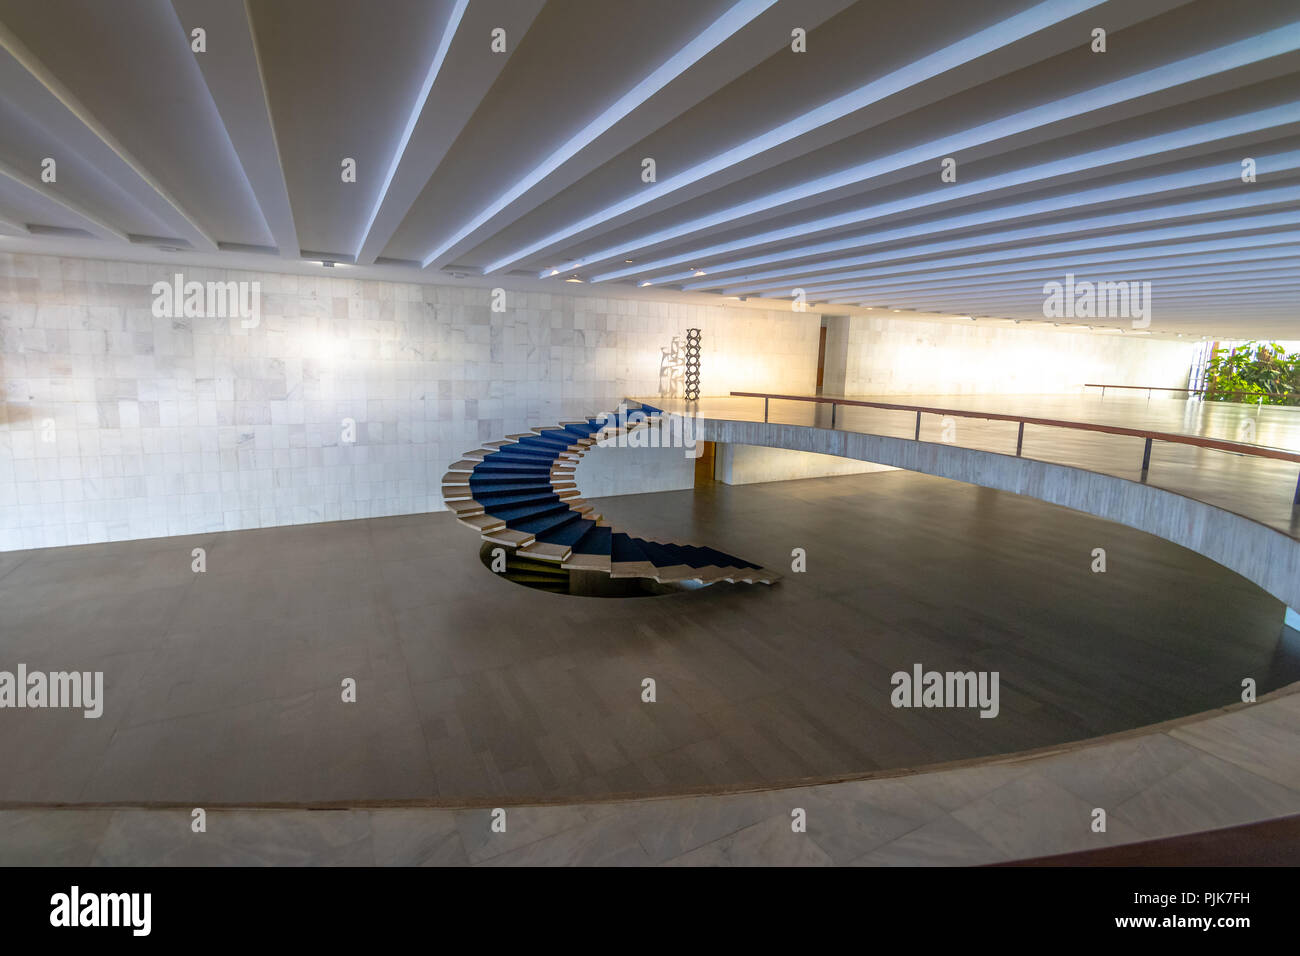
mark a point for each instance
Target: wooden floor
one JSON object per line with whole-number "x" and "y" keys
{"x": 223, "y": 687}
{"x": 1257, "y": 488}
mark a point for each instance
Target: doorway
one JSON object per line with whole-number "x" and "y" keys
{"x": 704, "y": 464}
{"x": 821, "y": 359}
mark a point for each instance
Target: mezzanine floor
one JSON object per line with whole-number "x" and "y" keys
{"x": 1258, "y": 488}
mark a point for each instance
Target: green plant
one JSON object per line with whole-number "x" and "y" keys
{"x": 1254, "y": 372}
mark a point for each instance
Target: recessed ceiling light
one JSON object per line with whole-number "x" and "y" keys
{"x": 573, "y": 278}
{"x": 555, "y": 272}
{"x": 627, "y": 260}
{"x": 699, "y": 272}
{"x": 646, "y": 283}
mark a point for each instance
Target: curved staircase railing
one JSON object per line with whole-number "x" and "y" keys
{"x": 521, "y": 493}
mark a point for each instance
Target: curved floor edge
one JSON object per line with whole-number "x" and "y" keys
{"x": 1194, "y": 775}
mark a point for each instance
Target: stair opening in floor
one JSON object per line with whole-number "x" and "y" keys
{"x": 557, "y": 579}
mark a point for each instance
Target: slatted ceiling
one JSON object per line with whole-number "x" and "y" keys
{"x": 771, "y": 164}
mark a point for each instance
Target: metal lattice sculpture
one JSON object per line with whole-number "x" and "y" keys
{"x": 692, "y": 378}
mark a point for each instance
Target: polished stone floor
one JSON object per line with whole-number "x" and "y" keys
{"x": 224, "y": 687}
{"x": 1258, "y": 488}
{"x": 1221, "y": 771}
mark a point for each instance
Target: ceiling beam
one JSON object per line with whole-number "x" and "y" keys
{"x": 1267, "y": 123}
{"x": 440, "y": 112}
{"x": 1164, "y": 249}
{"x": 92, "y": 223}
{"x": 627, "y": 120}
{"x": 18, "y": 52}
{"x": 1239, "y": 206}
{"x": 1222, "y": 175}
{"x": 1266, "y": 46}
{"x": 232, "y": 72}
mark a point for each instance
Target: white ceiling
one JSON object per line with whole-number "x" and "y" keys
{"x": 776, "y": 170}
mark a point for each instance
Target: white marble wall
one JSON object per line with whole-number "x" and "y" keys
{"x": 905, "y": 356}
{"x": 116, "y": 424}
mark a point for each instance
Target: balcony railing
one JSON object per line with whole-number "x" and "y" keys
{"x": 1197, "y": 441}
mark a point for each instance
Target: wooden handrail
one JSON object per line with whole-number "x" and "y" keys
{"x": 1218, "y": 444}
{"x": 1197, "y": 391}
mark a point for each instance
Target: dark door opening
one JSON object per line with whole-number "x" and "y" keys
{"x": 821, "y": 359}
{"x": 704, "y": 464}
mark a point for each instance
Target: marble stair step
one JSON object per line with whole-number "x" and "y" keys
{"x": 508, "y": 537}
{"x": 545, "y": 551}
{"x": 483, "y": 523}
{"x": 587, "y": 562}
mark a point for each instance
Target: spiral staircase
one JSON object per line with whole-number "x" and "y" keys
{"x": 520, "y": 494}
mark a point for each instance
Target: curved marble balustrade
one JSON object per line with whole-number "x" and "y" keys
{"x": 1258, "y": 553}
